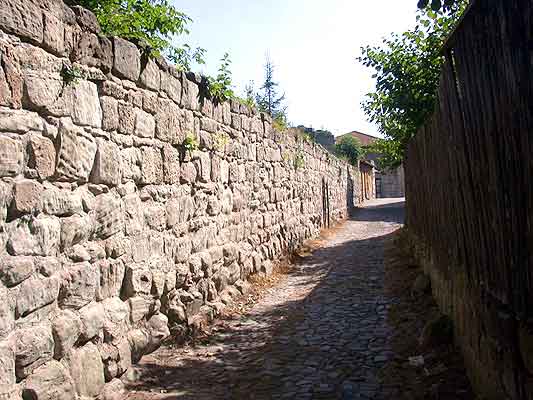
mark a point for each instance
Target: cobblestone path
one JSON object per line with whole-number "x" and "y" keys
{"x": 321, "y": 334}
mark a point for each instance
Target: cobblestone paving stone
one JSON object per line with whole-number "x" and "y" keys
{"x": 321, "y": 334}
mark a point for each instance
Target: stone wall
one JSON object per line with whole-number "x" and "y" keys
{"x": 111, "y": 233}
{"x": 391, "y": 183}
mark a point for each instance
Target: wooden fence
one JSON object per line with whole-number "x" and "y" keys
{"x": 469, "y": 186}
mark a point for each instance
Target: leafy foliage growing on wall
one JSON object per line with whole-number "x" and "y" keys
{"x": 349, "y": 148}
{"x": 153, "y": 22}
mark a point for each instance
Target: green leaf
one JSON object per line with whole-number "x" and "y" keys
{"x": 407, "y": 71}
{"x": 436, "y": 5}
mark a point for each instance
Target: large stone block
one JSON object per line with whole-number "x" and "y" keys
{"x": 126, "y": 118}
{"x": 151, "y": 166}
{"x": 51, "y": 381}
{"x": 79, "y": 286}
{"x": 107, "y": 168}
{"x": 168, "y": 128}
{"x": 11, "y": 81}
{"x": 26, "y": 195}
{"x": 22, "y": 18}
{"x": 131, "y": 163}
{"x": 114, "y": 390}
{"x": 109, "y": 214}
{"x": 76, "y": 230}
{"x": 11, "y": 157}
{"x": 127, "y": 61}
{"x": 117, "y": 246}
{"x": 137, "y": 280}
{"x": 140, "y": 248}
{"x": 59, "y": 202}
{"x": 179, "y": 210}
{"x": 35, "y": 236}
{"x": 86, "y": 108}
{"x": 66, "y": 329}
{"x": 109, "y": 113}
{"x": 7, "y": 312}
{"x": 86, "y": 19}
{"x": 15, "y": 270}
{"x": 42, "y": 156}
{"x": 204, "y": 166}
{"x": 53, "y": 34}
{"x": 183, "y": 249}
{"x": 45, "y": 92}
{"x": 116, "y": 319}
{"x": 89, "y": 49}
{"x": 171, "y": 86}
{"x": 155, "y": 216}
{"x": 92, "y": 320}
{"x": 87, "y": 370}
{"x": 144, "y": 124}
{"x": 150, "y": 76}
{"x": 157, "y": 327}
{"x": 139, "y": 342}
{"x": 34, "y": 347}
{"x": 133, "y": 214}
{"x": 171, "y": 164}
{"x": 76, "y": 153}
{"x": 35, "y": 293}
{"x": 111, "y": 277}
{"x": 20, "y": 121}
{"x": 188, "y": 173}
{"x": 139, "y": 307}
{"x": 7, "y": 363}
{"x": 224, "y": 171}
{"x": 190, "y": 94}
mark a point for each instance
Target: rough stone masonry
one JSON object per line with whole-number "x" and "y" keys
{"x": 110, "y": 232}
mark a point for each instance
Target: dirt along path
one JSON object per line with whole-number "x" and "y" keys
{"x": 321, "y": 333}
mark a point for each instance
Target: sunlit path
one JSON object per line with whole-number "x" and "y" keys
{"x": 321, "y": 334}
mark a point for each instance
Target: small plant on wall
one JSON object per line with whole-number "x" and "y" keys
{"x": 219, "y": 88}
{"x": 286, "y": 157}
{"x": 299, "y": 160}
{"x": 71, "y": 75}
{"x": 307, "y": 137}
{"x": 220, "y": 140}
{"x": 280, "y": 123}
{"x": 189, "y": 145}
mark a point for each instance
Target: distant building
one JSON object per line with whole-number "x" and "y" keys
{"x": 387, "y": 183}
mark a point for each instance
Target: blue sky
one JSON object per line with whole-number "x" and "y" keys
{"x": 313, "y": 45}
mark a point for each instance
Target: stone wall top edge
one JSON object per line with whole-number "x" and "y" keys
{"x": 73, "y": 34}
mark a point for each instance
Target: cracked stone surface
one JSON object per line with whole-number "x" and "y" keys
{"x": 321, "y": 334}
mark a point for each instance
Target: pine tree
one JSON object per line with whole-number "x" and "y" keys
{"x": 267, "y": 99}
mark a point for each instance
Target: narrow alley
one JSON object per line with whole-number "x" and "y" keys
{"x": 322, "y": 333}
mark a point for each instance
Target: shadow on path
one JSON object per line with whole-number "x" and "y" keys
{"x": 322, "y": 334}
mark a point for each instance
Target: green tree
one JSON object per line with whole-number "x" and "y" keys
{"x": 220, "y": 87}
{"x": 407, "y": 69}
{"x": 437, "y": 5}
{"x": 350, "y": 148}
{"x": 153, "y": 22}
{"x": 267, "y": 99}
{"x": 322, "y": 136}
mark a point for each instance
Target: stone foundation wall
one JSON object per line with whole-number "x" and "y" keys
{"x": 111, "y": 232}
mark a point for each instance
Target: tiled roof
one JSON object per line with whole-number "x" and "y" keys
{"x": 363, "y": 137}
